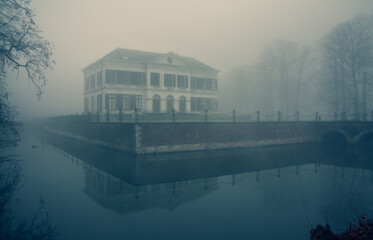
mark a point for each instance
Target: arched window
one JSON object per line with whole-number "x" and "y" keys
{"x": 156, "y": 104}
{"x": 182, "y": 104}
{"x": 169, "y": 103}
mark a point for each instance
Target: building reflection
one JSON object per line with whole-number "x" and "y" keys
{"x": 122, "y": 197}
{"x": 126, "y": 183}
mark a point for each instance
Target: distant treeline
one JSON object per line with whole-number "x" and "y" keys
{"x": 334, "y": 75}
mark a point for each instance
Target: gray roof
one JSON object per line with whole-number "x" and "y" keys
{"x": 150, "y": 57}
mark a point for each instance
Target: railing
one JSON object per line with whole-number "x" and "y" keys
{"x": 180, "y": 117}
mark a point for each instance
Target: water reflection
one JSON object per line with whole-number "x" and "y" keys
{"x": 126, "y": 183}
{"x": 115, "y": 194}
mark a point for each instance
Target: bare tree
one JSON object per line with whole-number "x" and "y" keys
{"x": 285, "y": 67}
{"x": 302, "y": 65}
{"x": 284, "y": 53}
{"x": 21, "y": 48}
{"x": 347, "y": 55}
{"x": 273, "y": 82}
{"x": 21, "y": 43}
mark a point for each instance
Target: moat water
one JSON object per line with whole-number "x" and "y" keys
{"x": 258, "y": 193}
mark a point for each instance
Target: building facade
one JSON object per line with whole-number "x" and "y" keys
{"x": 150, "y": 82}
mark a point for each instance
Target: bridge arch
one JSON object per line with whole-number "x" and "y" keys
{"x": 364, "y": 137}
{"x": 337, "y": 136}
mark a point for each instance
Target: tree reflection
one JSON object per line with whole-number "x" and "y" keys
{"x": 38, "y": 227}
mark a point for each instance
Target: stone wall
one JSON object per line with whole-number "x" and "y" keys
{"x": 146, "y": 138}
{"x": 155, "y": 138}
{"x": 116, "y": 135}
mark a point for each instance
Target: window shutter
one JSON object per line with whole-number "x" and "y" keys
{"x": 107, "y": 101}
{"x": 144, "y": 79}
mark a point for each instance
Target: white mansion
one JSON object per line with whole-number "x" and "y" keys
{"x": 128, "y": 79}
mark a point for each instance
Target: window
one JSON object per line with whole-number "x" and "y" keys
{"x": 209, "y": 84}
{"x": 200, "y": 104}
{"x": 99, "y": 103}
{"x": 214, "y": 84}
{"x": 132, "y": 102}
{"x": 182, "y": 81}
{"x": 93, "y": 81}
{"x": 169, "y": 103}
{"x": 111, "y": 101}
{"x": 111, "y": 76}
{"x": 169, "y": 80}
{"x": 99, "y": 79}
{"x": 156, "y": 104}
{"x": 138, "y": 102}
{"x": 154, "y": 79}
{"x": 201, "y": 82}
{"x": 136, "y": 78}
{"x": 128, "y": 102}
{"x": 182, "y": 104}
{"x": 125, "y": 77}
{"x": 204, "y": 83}
{"x": 193, "y": 104}
{"x": 86, "y": 84}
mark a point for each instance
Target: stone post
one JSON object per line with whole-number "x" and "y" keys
{"x": 120, "y": 115}
{"x": 136, "y": 115}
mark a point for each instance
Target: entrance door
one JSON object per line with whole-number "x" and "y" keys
{"x": 156, "y": 104}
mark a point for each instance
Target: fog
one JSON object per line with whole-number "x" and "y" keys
{"x": 222, "y": 34}
{"x": 274, "y": 144}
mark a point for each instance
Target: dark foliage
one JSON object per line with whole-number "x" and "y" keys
{"x": 360, "y": 230}
{"x": 9, "y": 127}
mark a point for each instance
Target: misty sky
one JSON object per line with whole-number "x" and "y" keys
{"x": 222, "y": 34}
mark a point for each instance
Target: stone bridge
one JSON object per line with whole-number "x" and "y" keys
{"x": 147, "y": 138}
{"x": 351, "y": 132}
